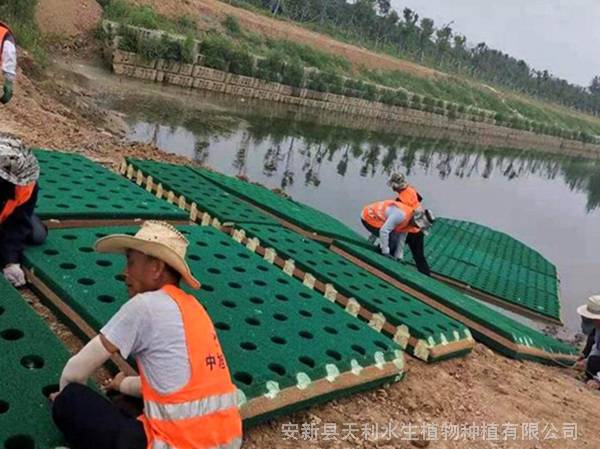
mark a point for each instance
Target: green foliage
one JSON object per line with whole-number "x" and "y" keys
{"x": 271, "y": 67}
{"x": 187, "y": 25}
{"x": 232, "y": 26}
{"x": 293, "y": 74}
{"x": 241, "y": 62}
{"x": 217, "y": 50}
{"x": 188, "y": 49}
{"x": 317, "y": 81}
{"x": 19, "y": 15}
{"x": 128, "y": 39}
{"x": 151, "y": 48}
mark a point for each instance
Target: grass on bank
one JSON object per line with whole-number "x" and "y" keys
{"x": 232, "y": 48}
{"x": 19, "y": 15}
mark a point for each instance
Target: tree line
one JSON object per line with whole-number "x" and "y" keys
{"x": 376, "y": 24}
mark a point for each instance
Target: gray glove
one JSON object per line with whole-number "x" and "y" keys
{"x": 14, "y": 274}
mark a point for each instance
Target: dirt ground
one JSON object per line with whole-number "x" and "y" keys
{"x": 493, "y": 398}
{"x": 66, "y": 18}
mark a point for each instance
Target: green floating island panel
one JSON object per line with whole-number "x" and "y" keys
{"x": 493, "y": 263}
{"x": 210, "y": 198}
{"x": 31, "y": 363}
{"x": 297, "y": 213}
{"x": 432, "y": 328}
{"x": 523, "y": 341}
{"x": 275, "y": 332}
{"x": 73, "y": 187}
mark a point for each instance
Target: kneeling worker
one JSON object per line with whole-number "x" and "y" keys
{"x": 19, "y": 226}
{"x": 189, "y": 398}
{"x": 391, "y": 221}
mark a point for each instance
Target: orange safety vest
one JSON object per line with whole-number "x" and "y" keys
{"x": 4, "y": 33}
{"x": 203, "y": 414}
{"x": 374, "y": 214}
{"x": 22, "y": 195}
{"x": 409, "y": 196}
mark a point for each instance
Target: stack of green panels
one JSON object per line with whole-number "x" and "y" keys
{"x": 195, "y": 188}
{"x": 73, "y": 187}
{"x": 275, "y": 332}
{"x": 513, "y": 331}
{"x": 31, "y": 363}
{"x": 494, "y": 263}
{"x": 297, "y": 213}
{"x": 400, "y": 309}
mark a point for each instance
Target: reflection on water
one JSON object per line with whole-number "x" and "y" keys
{"x": 549, "y": 202}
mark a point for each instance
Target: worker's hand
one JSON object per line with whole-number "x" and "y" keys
{"x": 593, "y": 384}
{"x": 115, "y": 382}
{"x": 580, "y": 364}
{"x": 53, "y": 396}
{"x": 7, "y": 93}
{"x": 14, "y": 274}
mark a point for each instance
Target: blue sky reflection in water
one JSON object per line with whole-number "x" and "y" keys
{"x": 548, "y": 202}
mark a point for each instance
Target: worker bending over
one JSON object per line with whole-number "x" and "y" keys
{"x": 19, "y": 226}
{"x": 415, "y": 237}
{"x": 189, "y": 398}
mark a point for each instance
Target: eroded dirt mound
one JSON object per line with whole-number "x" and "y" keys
{"x": 68, "y": 18}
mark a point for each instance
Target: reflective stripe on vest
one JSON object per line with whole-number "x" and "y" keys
{"x": 203, "y": 414}
{"x": 234, "y": 444}
{"x": 22, "y": 195}
{"x": 192, "y": 409}
{"x": 374, "y": 214}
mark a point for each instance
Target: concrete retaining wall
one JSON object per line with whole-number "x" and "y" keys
{"x": 484, "y": 133}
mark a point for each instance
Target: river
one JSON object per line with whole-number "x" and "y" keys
{"x": 549, "y": 202}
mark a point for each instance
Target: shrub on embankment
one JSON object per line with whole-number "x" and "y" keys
{"x": 19, "y": 15}
{"x": 236, "y": 51}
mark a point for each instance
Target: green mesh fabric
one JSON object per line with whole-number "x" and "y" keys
{"x": 399, "y": 308}
{"x": 494, "y": 263}
{"x": 31, "y": 362}
{"x": 73, "y": 187}
{"x": 297, "y": 213}
{"x": 467, "y": 307}
{"x": 209, "y": 197}
{"x": 270, "y": 326}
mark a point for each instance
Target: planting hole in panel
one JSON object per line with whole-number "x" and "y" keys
{"x": 11, "y": 334}
{"x": 32, "y": 362}
{"x": 19, "y": 442}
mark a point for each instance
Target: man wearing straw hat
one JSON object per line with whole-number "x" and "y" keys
{"x": 590, "y": 318}
{"x": 184, "y": 382}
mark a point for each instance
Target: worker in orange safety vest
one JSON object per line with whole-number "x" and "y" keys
{"x": 189, "y": 399}
{"x": 8, "y": 62}
{"x": 415, "y": 238}
{"x": 19, "y": 226}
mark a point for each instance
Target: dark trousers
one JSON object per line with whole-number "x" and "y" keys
{"x": 90, "y": 421}
{"x": 592, "y": 366}
{"x": 416, "y": 243}
{"x": 21, "y": 228}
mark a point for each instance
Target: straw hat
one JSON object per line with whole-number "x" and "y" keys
{"x": 591, "y": 309}
{"x": 18, "y": 165}
{"x": 157, "y": 239}
{"x": 397, "y": 181}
